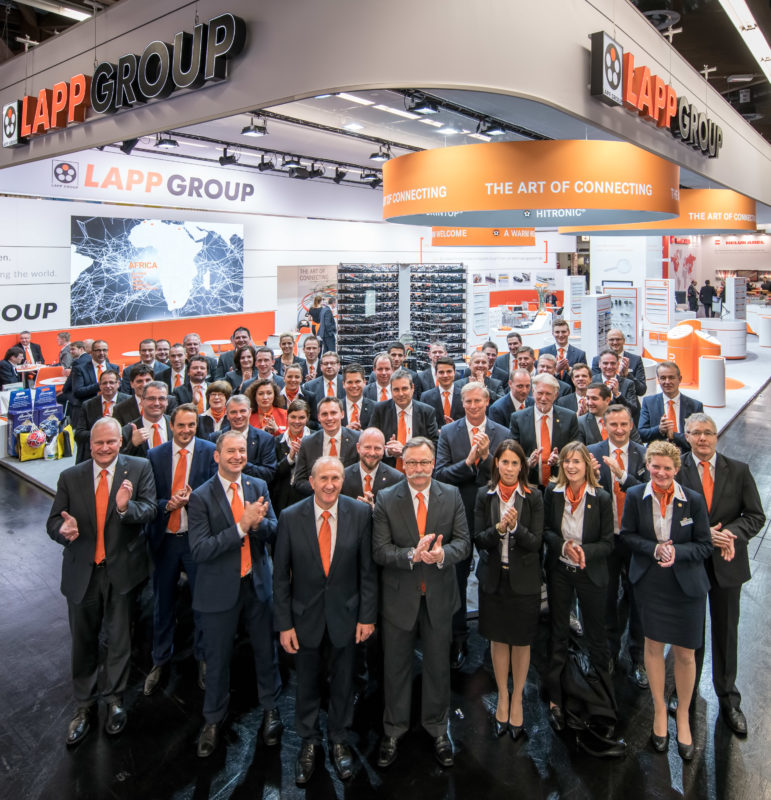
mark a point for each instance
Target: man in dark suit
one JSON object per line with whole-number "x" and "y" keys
{"x": 192, "y": 345}
{"x": 547, "y": 363}
{"x": 66, "y": 398}
{"x": 591, "y": 425}
{"x": 153, "y": 427}
{"x": 64, "y": 359}
{"x": 427, "y": 378}
{"x": 445, "y": 397}
{"x": 32, "y": 352}
{"x": 194, "y": 389}
{"x": 629, "y": 365}
{"x": 333, "y": 439}
{"x": 178, "y": 364}
{"x": 179, "y": 467}
{"x": 98, "y": 514}
{"x": 620, "y": 463}
{"x": 364, "y": 479}
{"x": 231, "y": 523}
{"x": 544, "y": 420}
{"x": 506, "y": 363}
{"x": 239, "y": 338}
{"x": 464, "y": 458}
{"x": 735, "y": 516}
{"x": 162, "y": 348}
{"x": 97, "y": 407}
{"x": 86, "y": 371}
{"x": 325, "y": 586}
{"x": 327, "y": 329}
{"x": 263, "y": 364}
{"x": 379, "y": 386}
{"x": 401, "y": 418}
{"x": 8, "y": 374}
{"x": 287, "y": 357}
{"x": 517, "y": 398}
{"x": 328, "y": 384}
{"x": 161, "y": 372}
{"x": 706, "y": 296}
{"x": 663, "y": 415}
{"x": 260, "y": 446}
{"x": 478, "y": 369}
{"x": 129, "y": 409}
{"x": 357, "y": 409}
{"x": 622, "y": 389}
{"x": 419, "y": 534}
{"x": 564, "y": 352}
{"x": 580, "y": 377}
{"x": 311, "y": 350}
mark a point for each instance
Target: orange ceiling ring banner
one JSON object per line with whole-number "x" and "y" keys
{"x": 482, "y": 237}
{"x": 704, "y": 211}
{"x": 530, "y": 184}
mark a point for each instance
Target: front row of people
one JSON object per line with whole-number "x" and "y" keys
{"x": 217, "y": 523}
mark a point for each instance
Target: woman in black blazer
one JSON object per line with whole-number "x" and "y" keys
{"x": 578, "y": 528}
{"x": 243, "y": 368}
{"x": 666, "y": 528}
{"x": 281, "y": 492}
{"x": 217, "y": 394}
{"x": 508, "y": 530}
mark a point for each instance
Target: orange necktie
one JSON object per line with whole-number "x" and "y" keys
{"x": 383, "y": 395}
{"x": 330, "y": 390}
{"x": 325, "y": 541}
{"x": 401, "y": 435}
{"x": 177, "y": 380}
{"x": 446, "y": 404}
{"x": 367, "y": 483}
{"x": 422, "y": 516}
{"x": 180, "y": 473}
{"x": 102, "y": 499}
{"x": 355, "y": 413}
{"x": 156, "y": 434}
{"x": 198, "y": 396}
{"x": 28, "y": 355}
{"x": 603, "y": 431}
{"x": 333, "y": 447}
{"x": 618, "y": 491}
{"x": 474, "y": 432}
{"x": 237, "y": 507}
{"x": 707, "y": 483}
{"x": 311, "y": 371}
{"x": 107, "y": 408}
{"x": 545, "y": 451}
{"x": 671, "y": 414}
{"x": 99, "y": 373}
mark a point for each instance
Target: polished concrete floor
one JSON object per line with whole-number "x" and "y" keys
{"x": 155, "y": 757}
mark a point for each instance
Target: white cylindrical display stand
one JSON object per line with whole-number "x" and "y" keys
{"x": 650, "y": 376}
{"x": 712, "y": 381}
{"x": 731, "y": 333}
{"x": 764, "y": 332}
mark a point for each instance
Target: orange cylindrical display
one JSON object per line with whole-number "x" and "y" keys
{"x": 691, "y": 323}
{"x": 705, "y": 345}
{"x": 681, "y": 350}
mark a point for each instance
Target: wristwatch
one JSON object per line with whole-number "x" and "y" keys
{"x": 410, "y": 555}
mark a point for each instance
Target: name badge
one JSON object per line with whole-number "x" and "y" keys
{"x": 686, "y": 521}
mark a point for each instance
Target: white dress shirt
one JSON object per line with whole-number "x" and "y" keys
{"x": 97, "y": 471}
{"x": 573, "y": 521}
{"x": 338, "y": 437}
{"x": 549, "y": 423}
{"x": 148, "y": 426}
{"x": 662, "y": 526}
{"x": 625, "y": 458}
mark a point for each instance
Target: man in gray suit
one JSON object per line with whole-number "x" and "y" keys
{"x": 98, "y": 515}
{"x": 419, "y": 534}
{"x": 364, "y": 479}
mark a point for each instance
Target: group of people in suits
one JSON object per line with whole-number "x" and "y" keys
{"x": 360, "y": 516}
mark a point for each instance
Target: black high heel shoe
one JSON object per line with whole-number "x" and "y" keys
{"x": 516, "y": 731}
{"x": 660, "y": 743}
{"x": 685, "y": 751}
{"x": 499, "y": 727}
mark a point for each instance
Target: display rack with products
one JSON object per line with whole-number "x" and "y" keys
{"x": 735, "y": 298}
{"x": 595, "y": 322}
{"x": 624, "y": 315}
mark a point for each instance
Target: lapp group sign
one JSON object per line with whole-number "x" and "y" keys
{"x": 616, "y": 81}
{"x": 193, "y": 60}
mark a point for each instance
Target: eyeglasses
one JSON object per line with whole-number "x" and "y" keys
{"x": 702, "y": 433}
{"x": 425, "y": 464}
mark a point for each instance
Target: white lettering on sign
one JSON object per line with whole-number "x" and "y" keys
{"x": 418, "y": 193}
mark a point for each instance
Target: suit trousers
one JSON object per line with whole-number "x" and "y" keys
{"x": 339, "y": 662}
{"x": 172, "y": 556}
{"x": 564, "y": 581}
{"x": 101, "y": 606}
{"x": 399, "y": 653}
{"x": 460, "y": 617}
{"x": 620, "y": 606}
{"x": 219, "y": 633}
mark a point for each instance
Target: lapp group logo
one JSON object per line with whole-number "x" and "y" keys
{"x": 11, "y": 124}
{"x": 607, "y": 68}
{"x": 66, "y": 173}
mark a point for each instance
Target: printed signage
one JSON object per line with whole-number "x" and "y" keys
{"x": 616, "y": 81}
{"x": 482, "y": 237}
{"x": 193, "y": 60}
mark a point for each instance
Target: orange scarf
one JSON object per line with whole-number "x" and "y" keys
{"x": 217, "y": 415}
{"x": 574, "y": 500}
{"x": 506, "y": 491}
{"x": 664, "y": 498}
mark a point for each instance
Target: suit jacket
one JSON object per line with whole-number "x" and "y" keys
{"x": 141, "y": 451}
{"x": 495, "y": 387}
{"x": 90, "y": 412}
{"x": 184, "y": 393}
{"x": 385, "y": 476}
{"x": 224, "y": 364}
{"x": 627, "y": 396}
{"x": 127, "y": 410}
{"x": 8, "y": 373}
{"x": 652, "y": 412}
{"x": 279, "y": 381}
{"x": 260, "y": 452}
{"x": 451, "y": 453}
{"x": 524, "y": 544}
{"x": 314, "y": 390}
{"x": 216, "y": 545}
{"x": 395, "y": 531}
{"x": 372, "y": 391}
{"x": 308, "y": 600}
{"x": 502, "y": 409}
{"x": 37, "y": 353}
{"x": 84, "y": 382}
{"x": 311, "y": 449}
{"x": 736, "y": 505}
{"x": 574, "y": 355}
{"x": 327, "y": 329}
{"x": 161, "y": 372}
{"x": 202, "y": 467}
{"x": 424, "y": 381}
{"x": 597, "y": 534}
{"x": 66, "y": 395}
{"x": 569, "y": 401}
{"x": 501, "y": 370}
{"x": 689, "y": 534}
{"x": 635, "y": 372}
{"x": 278, "y": 366}
{"x": 564, "y": 430}
{"x": 636, "y": 472}
{"x": 126, "y": 554}
{"x": 365, "y": 413}
{"x": 385, "y": 418}
{"x": 434, "y": 398}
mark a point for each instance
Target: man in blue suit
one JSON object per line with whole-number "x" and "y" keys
{"x": 518, "y": 398}
{"x": 230, "y": 522}
{"x": 87, "y": 371}
{"x": 445, "y": 397}
{"x": 563, "y": 351}
{"x": 629, "y": 365}
{"x": 663, "y": 415}
{"x": 179, "y": 467}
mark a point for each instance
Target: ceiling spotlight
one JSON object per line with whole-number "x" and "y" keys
{"x": 372, "y": 178}
{"x": 128, "y": 146}
{"x": 265, "y": 165}
{"x": 291, "y": 161}
{"x": 490, "y": 128}
{"x": 316, "y": 172}
{"x": 260, "y": 129}
{"x": 422, "y": 105}
{"x": 301, "y": 173}
{"x": 227, "y": 159}
{"x": 339, "y": 175}
{"x": 166, "y": 142}
{"x": 449, "y": 129}
{"x": 740, "y": 78}
{"x": 383, "y": 153}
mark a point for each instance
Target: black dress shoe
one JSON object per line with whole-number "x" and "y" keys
{"x": 202, "y": 675}
{"x": 80, "y": 725}
{"x": 457, "y": 655}
{"x": 342, "y": 758}
{"x": 208, "y": 739}
{"x": 116, "y": 719}
{"x": 443, "y": 751}
{"x": 556, "y": 718}
{"x": 305, "y": 764}
{"x": 640, "y": 676}
{"x": 735, "y": 719}
{"x": 598, "y": 746}
{"x": 153, "y": 680}
{"x": 516, "y": 731}
{"x": 387, "y": 752}
{"x": 686, "y": 751}
{"x": 271, "y": 728}
{"x": 660, "y": 743}
{"x": 500, "y": 727}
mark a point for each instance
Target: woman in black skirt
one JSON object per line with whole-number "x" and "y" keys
{"x": 666, "y": 527}
{"x": 508, "y": 526}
